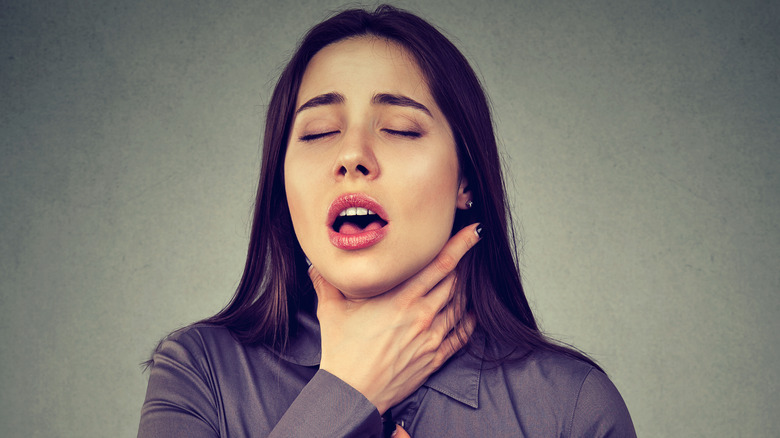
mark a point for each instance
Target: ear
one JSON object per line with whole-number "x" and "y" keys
{"x": 464, "y": 194}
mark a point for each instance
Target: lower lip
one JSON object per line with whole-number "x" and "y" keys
{"x": 362, "y": 240}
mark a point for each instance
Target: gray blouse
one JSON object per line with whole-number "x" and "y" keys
{"x": 204, "y": 383}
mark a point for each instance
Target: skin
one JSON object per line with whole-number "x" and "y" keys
{"x": 387, "y": 346}
{"x": 403, "y": 157}
{"x": 400, "y": 432}
{"x": 386, "y": 313}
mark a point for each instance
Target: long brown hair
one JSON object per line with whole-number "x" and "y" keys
{"x": 275, "y": 281}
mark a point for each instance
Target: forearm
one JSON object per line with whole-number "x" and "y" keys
{"x": 328, "y": 407}
{"x": 180, "y": 403}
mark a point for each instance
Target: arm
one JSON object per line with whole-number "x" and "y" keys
{"x": 328, "y": 407}
{"x": 181, "y": 401}
{"x": 600, "y": 410}
{"x": 366, "y": 367}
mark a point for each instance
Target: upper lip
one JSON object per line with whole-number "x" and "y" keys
{"x": 348, "y": 200}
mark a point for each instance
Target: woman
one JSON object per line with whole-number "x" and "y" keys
{"x": 380, "y": 289}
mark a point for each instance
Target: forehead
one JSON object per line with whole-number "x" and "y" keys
{"x": 367, "y": 64}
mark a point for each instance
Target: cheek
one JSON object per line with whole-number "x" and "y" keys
{"x": 431, "y": 189}
{"x": 434, "y": 182}
{"x": 291, "y": 191}
{"x": 297, "y": 191}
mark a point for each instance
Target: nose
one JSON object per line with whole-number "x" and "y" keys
{"x": 356, "y": 158}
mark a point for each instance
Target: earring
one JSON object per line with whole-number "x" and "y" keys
{"x": 469, "y": 204}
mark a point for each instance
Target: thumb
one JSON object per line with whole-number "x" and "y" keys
{"x": 325, "y": 291}
{"x": 400, "y": 432}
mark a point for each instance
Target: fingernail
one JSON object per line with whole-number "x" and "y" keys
{"x": 478, "y": 231}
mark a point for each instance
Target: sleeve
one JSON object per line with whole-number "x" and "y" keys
{"x": 600, "y": 410}
{"x": 180, "y": 402}
{"x": 329, "y": 407}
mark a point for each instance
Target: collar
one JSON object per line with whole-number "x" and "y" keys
{"x": 458, "y": 379}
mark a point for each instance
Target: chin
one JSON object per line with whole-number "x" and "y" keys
{"x": 356, "y": 287}
{"x": 359, "y": 275}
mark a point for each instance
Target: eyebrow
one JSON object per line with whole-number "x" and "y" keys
{"x": 322, "y": 99}
{"x": 399, "y": 100}
{"x": 378, "y": 99}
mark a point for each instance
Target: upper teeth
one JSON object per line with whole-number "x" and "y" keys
{"x": 355, "y": 211}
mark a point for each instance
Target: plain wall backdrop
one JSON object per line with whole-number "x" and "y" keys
{"x": 641, "y": 142}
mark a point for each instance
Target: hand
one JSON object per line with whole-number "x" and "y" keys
{"x": 387, "y": 346}
{"x": 400, "y": 432}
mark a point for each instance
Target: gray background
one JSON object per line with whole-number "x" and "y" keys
{"x": 641, "y": 138}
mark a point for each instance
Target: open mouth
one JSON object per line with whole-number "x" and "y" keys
{"x": 354, "y": 220}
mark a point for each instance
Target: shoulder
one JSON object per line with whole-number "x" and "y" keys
{"x": 181, "y": 392}
{"x": 556, "y": 370}
{"x": 194, "y": 344}
{"x": 554, "y": 376}
{"x": 600, "y": 410}
{"x": 583, "y": 400}
{"x": 199, "y": 333}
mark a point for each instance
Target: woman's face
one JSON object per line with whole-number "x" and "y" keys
{"x": 371, "y": 172}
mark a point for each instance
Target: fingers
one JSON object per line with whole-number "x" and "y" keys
{"x": 446, "y": 261}
{"x": 400, "y": 432}
{"x": 455, "y": 340}
{"x": 325, "y": 291}
{"x": 448, "y": 318}
{"x": 441, "y": 294}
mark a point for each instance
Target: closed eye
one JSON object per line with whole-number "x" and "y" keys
{"x": 312, "y": 137}
{"x": 409, "y": 134}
